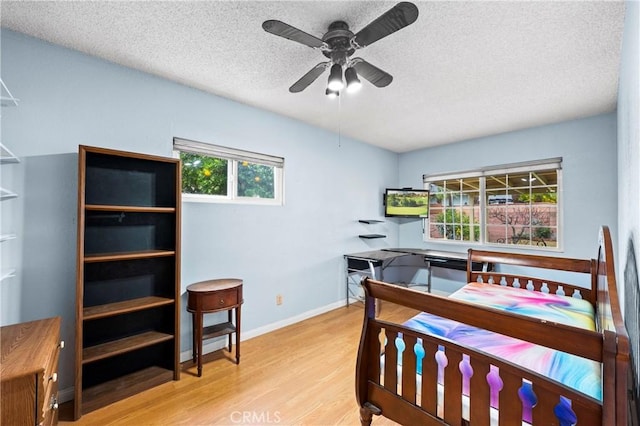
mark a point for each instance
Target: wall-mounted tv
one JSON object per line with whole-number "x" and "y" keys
{"x": 406, "y": 202}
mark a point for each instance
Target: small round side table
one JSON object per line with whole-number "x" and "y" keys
{"x": 210, "y": 296}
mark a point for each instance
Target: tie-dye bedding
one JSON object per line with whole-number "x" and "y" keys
{"x": 578, "y": 373}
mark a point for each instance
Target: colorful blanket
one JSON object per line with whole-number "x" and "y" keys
{"x": 578, "y": 373}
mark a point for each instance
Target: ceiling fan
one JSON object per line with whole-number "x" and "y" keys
{"x": 339, "y": 44}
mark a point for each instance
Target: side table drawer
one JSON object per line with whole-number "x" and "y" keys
{"x": 216, "y": 300}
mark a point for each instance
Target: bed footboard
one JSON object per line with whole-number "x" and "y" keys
{"x": 414, "y": 378}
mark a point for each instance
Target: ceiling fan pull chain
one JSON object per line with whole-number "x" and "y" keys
{"x": 339, "y": 122}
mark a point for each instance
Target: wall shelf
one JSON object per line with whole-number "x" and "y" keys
{"x": 371, "y": 222}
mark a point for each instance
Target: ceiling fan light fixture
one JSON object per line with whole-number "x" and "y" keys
{"x": 335, "y": 78}
{"x": 339, "y": 43}
{"x": 332, "y": 94}
{"x": 353, "y": 82}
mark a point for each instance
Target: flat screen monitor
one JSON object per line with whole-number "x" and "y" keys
{"x": 406, "y": 203}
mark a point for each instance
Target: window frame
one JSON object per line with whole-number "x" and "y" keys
{"x": 482, "y": 174}
{"x": 233, "y": 157}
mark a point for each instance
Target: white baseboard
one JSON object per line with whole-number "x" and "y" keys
{"x": 207, "y": 348}
{"x": 65, "y": 395}
{"x": 246, "y": 335}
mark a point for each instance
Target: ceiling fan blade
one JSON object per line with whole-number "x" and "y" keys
{"x": 373, "y": 74}
{"x": 281, "y": 29}
{"x": 396, "y": 18}
{"x": 308, "y": 78}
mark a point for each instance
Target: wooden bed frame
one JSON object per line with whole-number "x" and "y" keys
{"x": 394, "y": 392}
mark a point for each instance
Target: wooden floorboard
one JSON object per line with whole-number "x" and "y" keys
{"x": 302, "y": 374}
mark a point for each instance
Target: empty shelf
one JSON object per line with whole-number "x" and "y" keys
{"x": 117, "y": 308}
{"x": 117, "y": 347}
{"x": 108, "y": 257}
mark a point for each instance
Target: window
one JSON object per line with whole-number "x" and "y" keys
{"x": 516, "y": 204}
{"x": 219, "y": 174}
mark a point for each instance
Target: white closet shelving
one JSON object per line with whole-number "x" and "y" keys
{"x": 7, "y": 237}
{"x": 7, "y": 157}
{"x": 6, "y": 98}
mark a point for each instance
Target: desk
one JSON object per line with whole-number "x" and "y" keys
{"x": 365, "y": 263}
{"x": 443, "y": 259}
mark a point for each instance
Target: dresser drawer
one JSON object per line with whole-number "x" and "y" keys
{"x": 50, "y": 384}
{"x": 28, "y": 373}
{"x": 51, "y": 371}
{"x": 50, "y": 408}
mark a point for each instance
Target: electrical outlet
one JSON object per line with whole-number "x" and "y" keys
{"x": 278, "y": 299}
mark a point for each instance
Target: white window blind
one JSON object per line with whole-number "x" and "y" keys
{"x": 526, "y": 166}
{"x": 218, "y": 151}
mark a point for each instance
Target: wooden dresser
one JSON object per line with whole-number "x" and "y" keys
{"x": 29, "y": 373}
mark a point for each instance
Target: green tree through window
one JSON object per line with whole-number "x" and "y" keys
{"x": 202, "y": 174}
{"x": 255, "y": 180}
{"x": 219, "y": 174}
{"x": 456, "y": 226}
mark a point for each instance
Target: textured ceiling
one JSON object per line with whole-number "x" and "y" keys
{"x": 464, "y": 69}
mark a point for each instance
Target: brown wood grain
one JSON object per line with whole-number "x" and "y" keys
{"x": 127, "y": 344}
{"x": 143, "y": 254}
{"x": 304, "y": 373}
{"x": 30, "y": 353}
{"x": 117, "y": 308}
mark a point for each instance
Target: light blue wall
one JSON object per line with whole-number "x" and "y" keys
{"x": 589, "y": 179}
{"x": 629, "y": 139}
{"x": 628, "y": 251}
{"x": 68, "y": 98}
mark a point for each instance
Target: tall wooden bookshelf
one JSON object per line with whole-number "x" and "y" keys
{"x": 128, "y": 275}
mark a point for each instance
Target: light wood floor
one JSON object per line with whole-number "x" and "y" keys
{"x": 302, "y": 374}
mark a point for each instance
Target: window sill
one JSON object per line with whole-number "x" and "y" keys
{"x": 213, "y": 199}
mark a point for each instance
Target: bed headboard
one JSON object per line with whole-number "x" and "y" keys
{"x": 631, "y": 313}
{"x": 578, "y": 266}
{"x": 609, "y": 314}
{"x": 611, "y": 324}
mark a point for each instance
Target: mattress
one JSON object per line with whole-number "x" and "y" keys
{"x": 581, "y": 374}
{"x": 551, "y": 307}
